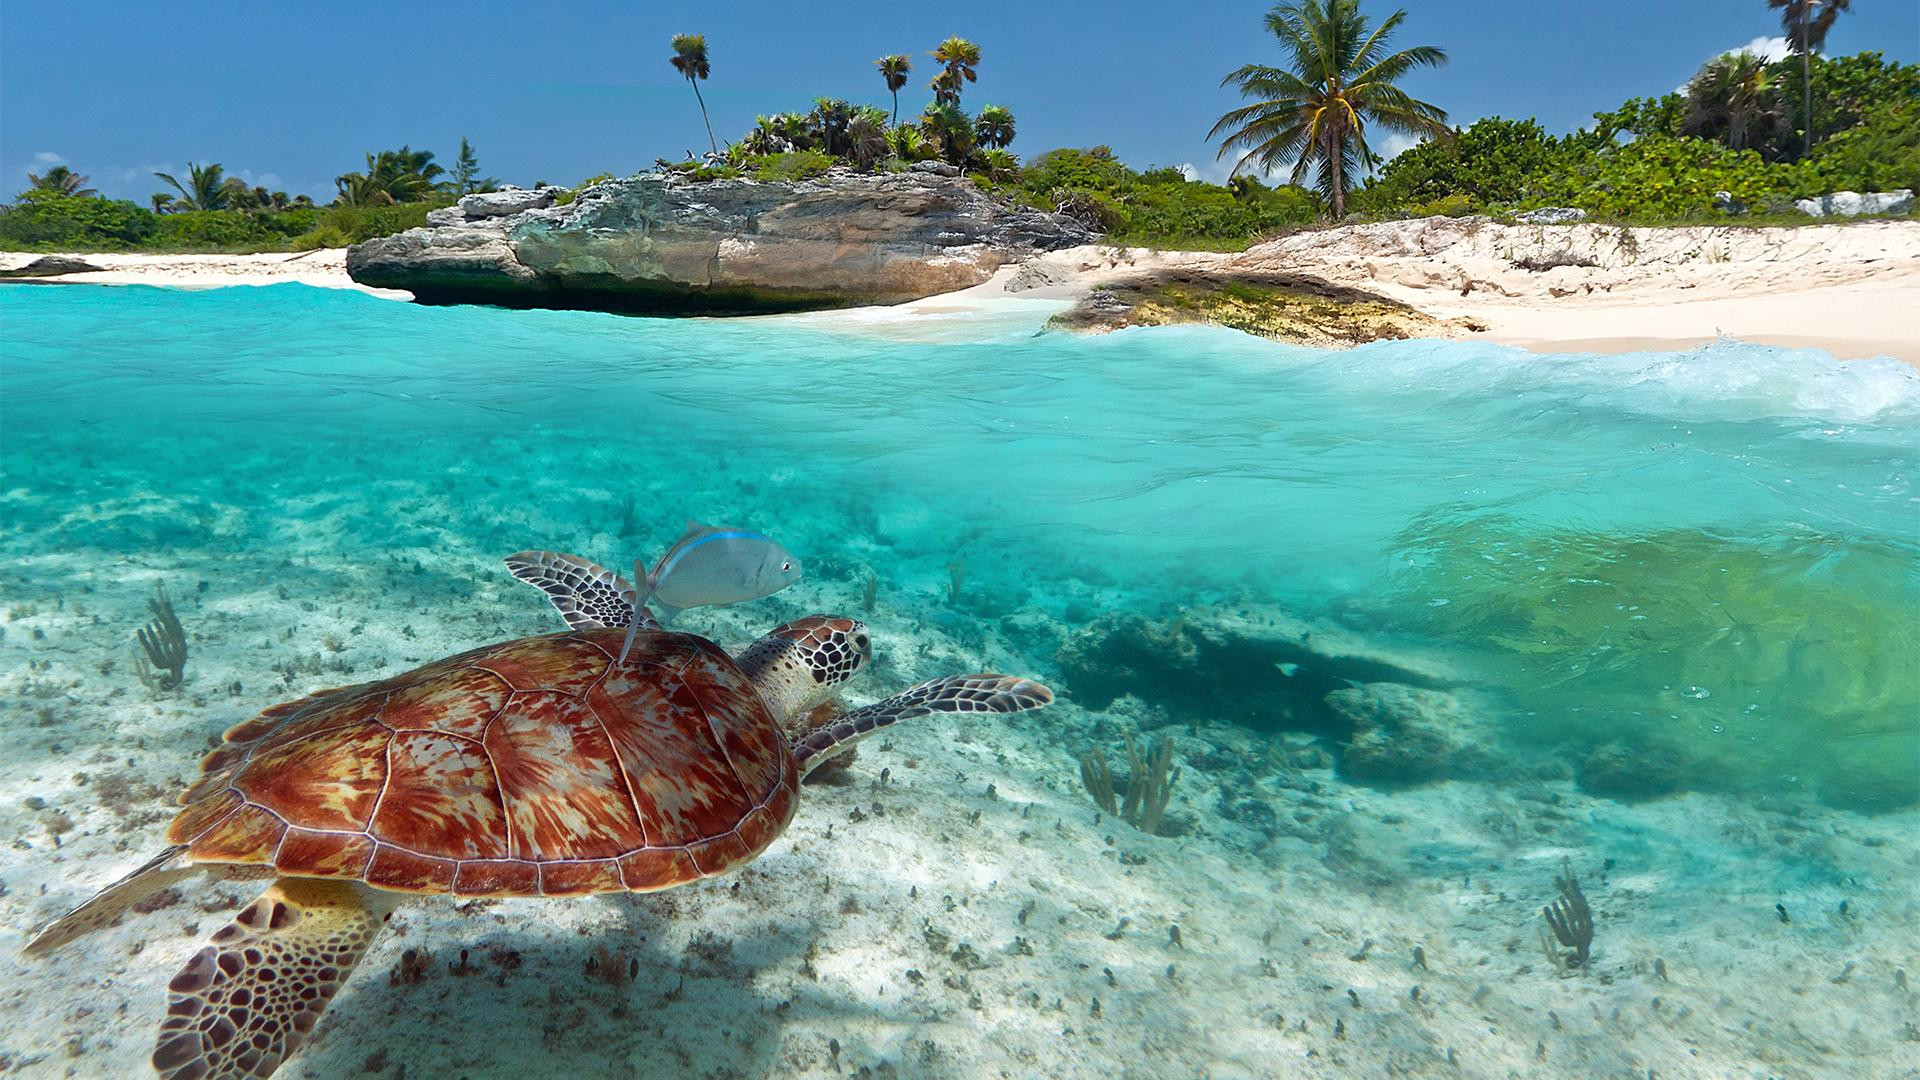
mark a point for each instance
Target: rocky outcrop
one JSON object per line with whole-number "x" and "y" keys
{"x": 52, "y": 266}
{"x": 1294, "y": 308}
{"x": 662, "y": 244}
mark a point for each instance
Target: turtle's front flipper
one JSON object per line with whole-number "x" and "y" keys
{"x": 159, "y": 872}
{"x": 249, "y": 997}
{"x": 954, "y": 694}
{"x": 587, "y": 595}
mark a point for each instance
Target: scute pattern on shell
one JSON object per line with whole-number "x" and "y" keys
{"x": 531, "y": 767}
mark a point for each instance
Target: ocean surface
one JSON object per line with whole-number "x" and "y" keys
{"x": 1680, "y": 584}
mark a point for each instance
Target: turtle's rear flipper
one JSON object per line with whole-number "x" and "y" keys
{"x": 954, "y": 694}
{"x": 249, "y": 997}
{"x": 589, "y": 596}
{"x": 107, "y": 905}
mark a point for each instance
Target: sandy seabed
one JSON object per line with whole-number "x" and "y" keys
{"x": 955, "y": 906}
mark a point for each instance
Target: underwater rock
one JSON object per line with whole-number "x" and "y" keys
{"x": 1269, "y": 672}
{"x": 663, "y": 244}
{"x": 1293, "y": 308}
{"x": 1619, "y": 771}
{"x": 1408, "y": 735}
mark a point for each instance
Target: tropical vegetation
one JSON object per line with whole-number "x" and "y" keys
{"x": 204, "y": 209}
{"x": 1732, "y": 141}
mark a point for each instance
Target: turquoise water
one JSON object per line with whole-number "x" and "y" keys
{"x": 1709, "y": 554}
{"x": 1419, "y": 620}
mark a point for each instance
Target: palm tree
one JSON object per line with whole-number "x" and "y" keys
{"x": 999, "y": 165}
{"x": 360, "y": 189}
{"x": 994, "y": 126}
{"x": 830, "y": 117}
{"x": 894, "y": 69}
{"x": 1729, "y": 98}
{"x": 1315, "y": 112}
{"x": 62, "y": 180}
{"x": 909, "y": 144}
{"x": 205, "y": 189}
{"x": 866, "y": 138}
{"x": 1806, "y": 23}
{"x": 958, "y": 57}
{"x": 690, "y": 60}
{"x": 946, "y": 127}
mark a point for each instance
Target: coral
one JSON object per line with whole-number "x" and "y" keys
{"x": 162, "y": 661}
{"x": 1571, "y": 921}
{"x": 1149, "y": 788}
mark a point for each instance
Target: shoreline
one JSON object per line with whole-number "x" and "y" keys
{"x": 1604, "y": 289}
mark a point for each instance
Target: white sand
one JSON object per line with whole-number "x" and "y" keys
{"x": 323, "y": 267}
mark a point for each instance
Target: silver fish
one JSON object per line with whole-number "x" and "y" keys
{"x": 712, "y": 565}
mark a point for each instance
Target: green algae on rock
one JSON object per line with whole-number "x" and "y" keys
{"x": 1293, "y": 308}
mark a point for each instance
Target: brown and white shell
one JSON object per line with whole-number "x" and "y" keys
{"x": 535, "y": 767}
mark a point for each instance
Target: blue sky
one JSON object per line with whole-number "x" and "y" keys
{"x": 292, "y": 96}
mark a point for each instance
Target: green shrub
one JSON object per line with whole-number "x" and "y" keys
{"x": 790, "y": 166}
{"x": 1444, "y": 206}
{"x": 212, "y": 230}
{"x": 1159, "y": 207}
{"x": 47, "y": 220}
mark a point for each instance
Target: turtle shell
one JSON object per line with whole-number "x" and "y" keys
{"x": 535, "y": 767}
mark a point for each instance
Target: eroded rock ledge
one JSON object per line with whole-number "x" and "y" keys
{"x": 658, "y": 244}
{"x": 1294, "y": 308}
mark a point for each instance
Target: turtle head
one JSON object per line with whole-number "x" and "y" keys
{"x": 800, "y": 664}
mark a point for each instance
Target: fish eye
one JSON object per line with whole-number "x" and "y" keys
{"x": 785, "y": 566}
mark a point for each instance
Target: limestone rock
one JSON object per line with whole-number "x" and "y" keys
{"x": 506, "y": 201}
{"x": 664, "y": 244}
{"x": 53, "y": 266}
{"x": 1293, "y": 308}
{"x": 1854, "y": 204}
{"x": 1552, "y": 215}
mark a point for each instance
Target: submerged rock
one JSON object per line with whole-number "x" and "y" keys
{"x": 662, "y": 244}
{"x": 1294, "y": 308}
{"x": 1408, "y": 735}
{"x": 1269, "y": 673}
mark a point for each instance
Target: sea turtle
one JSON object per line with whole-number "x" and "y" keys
{"x": 542, "y": 766}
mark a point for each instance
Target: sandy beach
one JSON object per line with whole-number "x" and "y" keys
{"x": 1849, "y": 289}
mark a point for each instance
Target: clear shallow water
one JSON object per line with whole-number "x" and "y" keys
{"x": 1710, "y": 556}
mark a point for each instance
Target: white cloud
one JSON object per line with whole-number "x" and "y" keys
{"x": 48, "y": 157}
{"x": 1768, "y": 49}
{"x": 1396, "y": 144}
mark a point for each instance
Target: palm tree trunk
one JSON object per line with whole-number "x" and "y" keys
{"x": 703, "y": 116}
{"x": 1337, "y": 174}
{"x": 896, "y": 108}
{"x": 1806, "y": 79}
